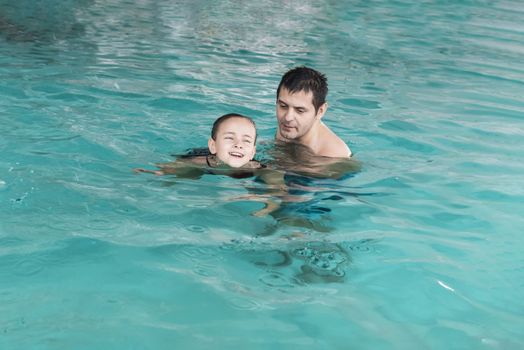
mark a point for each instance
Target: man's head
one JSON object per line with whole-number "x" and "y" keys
{"x": 307, "y": 80}
{"x": 301, "y": 103}
{"x": 233, "y": 139}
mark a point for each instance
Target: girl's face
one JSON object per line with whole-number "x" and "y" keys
{"x": 235, "y": 142}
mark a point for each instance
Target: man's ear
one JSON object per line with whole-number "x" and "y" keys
{"x": 212, "y": 146}
{"x": 321, "y": 110}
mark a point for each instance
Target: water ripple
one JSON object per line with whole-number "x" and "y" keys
{"x": 428, "y": 95}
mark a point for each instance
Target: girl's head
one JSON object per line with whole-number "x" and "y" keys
{"x": 233, "y": 139}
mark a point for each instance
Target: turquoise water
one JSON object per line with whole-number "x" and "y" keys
{"x": 422, "y": 249}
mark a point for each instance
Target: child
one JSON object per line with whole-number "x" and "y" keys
{"x": 231, "y": 147}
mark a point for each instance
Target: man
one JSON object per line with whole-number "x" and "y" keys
{"x": 301, "y": 104}
{"x": 306, "y": 149}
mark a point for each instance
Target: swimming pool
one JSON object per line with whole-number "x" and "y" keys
{"x": 421, "y": 249}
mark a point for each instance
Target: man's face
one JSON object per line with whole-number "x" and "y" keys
{"x": 235, "y": 142}
{"x": 296, "y": 114}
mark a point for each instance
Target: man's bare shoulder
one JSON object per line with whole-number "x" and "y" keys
{"x": 332, "y": 145}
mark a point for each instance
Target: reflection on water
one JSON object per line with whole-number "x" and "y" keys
{"x": 300, "y": 261}
{"x": 41, "y": 21}
{"x": 323, "y": 262}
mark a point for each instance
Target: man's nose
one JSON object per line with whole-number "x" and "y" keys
{"x": 289, "y": 115}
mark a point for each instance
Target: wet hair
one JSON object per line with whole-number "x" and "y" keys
{"x": 305, "y": 79}
{"x": 222, "y": 119}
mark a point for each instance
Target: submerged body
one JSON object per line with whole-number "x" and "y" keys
{"x": 194, "y": 166}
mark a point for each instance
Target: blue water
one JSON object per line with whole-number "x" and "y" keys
{"x": 421, "y": 249}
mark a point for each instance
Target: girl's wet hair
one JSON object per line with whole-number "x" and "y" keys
{"x": 222, "y": 119}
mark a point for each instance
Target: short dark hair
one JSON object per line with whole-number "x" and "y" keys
{"x": 305, "y": 79}
{"x": 222, "y": 119}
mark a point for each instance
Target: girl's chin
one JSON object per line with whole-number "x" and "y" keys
{"x": 236, "y": 163}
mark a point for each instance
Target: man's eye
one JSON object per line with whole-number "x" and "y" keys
{"x": 300, "y": 111}
{"x": 228, "y": 138}
{"x": 281, "y": 105}
{"x": 247, "y": 142}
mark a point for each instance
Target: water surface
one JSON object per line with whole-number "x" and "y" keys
{"x": 420, "y": 249}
